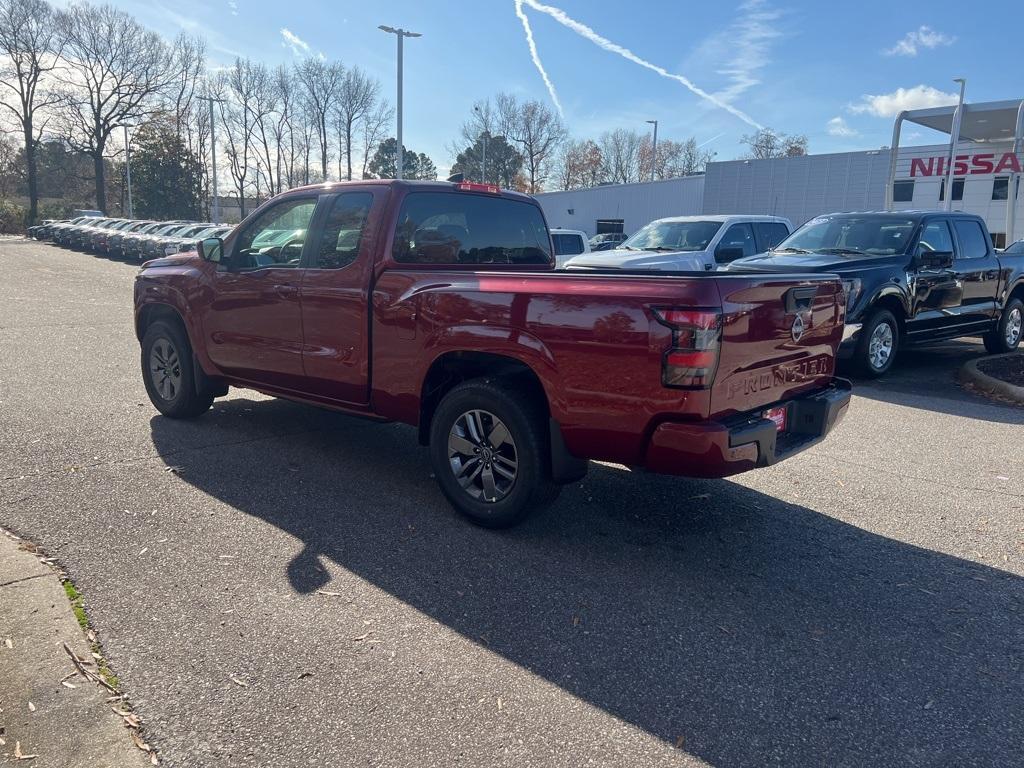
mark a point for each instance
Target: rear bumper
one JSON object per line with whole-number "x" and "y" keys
{"x": 720, "y": 449}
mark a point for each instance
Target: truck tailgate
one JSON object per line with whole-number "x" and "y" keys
{"x": 779, "y": 339}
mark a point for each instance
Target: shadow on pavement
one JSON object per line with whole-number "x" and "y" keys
{"x": 759, "y": 630}
{"x": 926, "y": 377}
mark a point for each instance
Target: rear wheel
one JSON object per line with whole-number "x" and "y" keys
{"x": 167, "y": 370}
{"x": 878, "y": 344}
{"x": 1006, "y": 336}
{"x": 490, "y": 454}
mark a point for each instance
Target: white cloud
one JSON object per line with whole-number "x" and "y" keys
{"x": 837, "y": 126}
{"x": 299, "y": 46}
{"x": 923, "y": 37}
{"x": 233, "y": 7}
{"x": 605, "y": 44}
{"x": 891, "y": 104}
{"x": 748, "y": 41}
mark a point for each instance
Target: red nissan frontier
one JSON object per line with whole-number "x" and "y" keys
{"x": 438, "y": 305}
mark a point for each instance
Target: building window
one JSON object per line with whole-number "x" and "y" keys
{"x": 903, "y": 191}
{"x": 958, "y": 189}
{"x": 610, "y": 226}
{"x": 1001, "y": 188}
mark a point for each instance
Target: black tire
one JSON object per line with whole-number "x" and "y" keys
{"x": 530, "y": 489}
{"x": 868, "y": 361}
{"x": 998, "y": 341}
{"x": 168, "y": 372}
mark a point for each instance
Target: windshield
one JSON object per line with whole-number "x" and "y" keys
{"x": 673, "y": 236}
{"x": 870, "y": 235}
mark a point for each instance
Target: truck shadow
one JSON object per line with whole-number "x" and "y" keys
{"x": 926, "y": 377}
{"x": 757, "y": 630}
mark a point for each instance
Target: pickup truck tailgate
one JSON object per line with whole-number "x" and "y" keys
{"x": 779, "y": 339}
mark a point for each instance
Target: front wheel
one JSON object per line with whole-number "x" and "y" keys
{"x": 878, "y": 343}
{"x": 1005, "y": 337}
{"x": 167, "y": 370}
{"x": 490, "y": 454}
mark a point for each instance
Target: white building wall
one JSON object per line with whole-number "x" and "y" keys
{"x": 636, "y": 204}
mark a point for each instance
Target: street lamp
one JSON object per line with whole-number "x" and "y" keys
{"x": 654, "y": 148}
{"x": 401, "y": 34}
{"x": 213, "y": 156}
{"x": 128, "y": 170}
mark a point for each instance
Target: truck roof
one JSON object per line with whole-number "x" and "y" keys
{"x": 726, "y": 217}
{"x": 409, "y": 184}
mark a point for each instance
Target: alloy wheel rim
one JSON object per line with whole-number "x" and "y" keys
{"x": 880, "y": 346}
{"x": 1013, "y": 326}
{"x": 483, "y": 456}
{"x": 165, "y": 368}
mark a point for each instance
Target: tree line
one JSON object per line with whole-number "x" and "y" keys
{"x": 72, "y": 79}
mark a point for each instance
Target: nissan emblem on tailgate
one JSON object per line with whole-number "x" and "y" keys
{"x": 797, "y": 331}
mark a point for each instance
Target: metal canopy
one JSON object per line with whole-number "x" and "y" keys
{"x": 990, "y": 121}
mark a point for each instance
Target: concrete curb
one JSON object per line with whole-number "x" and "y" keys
{"x": 969, "y": 374}
{"x": 47, "y": 708}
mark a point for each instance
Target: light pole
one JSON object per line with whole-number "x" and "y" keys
{"x": 954, "y": 139}
{"x": 128, "y": 170}
{"x": 213, "y": 157}
{"x": 401, "y": 34}
{"x": 654, "y": 148}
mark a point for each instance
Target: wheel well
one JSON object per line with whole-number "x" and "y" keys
{"x": 453, "y": 368}
{"x": 1017, "y": 292}
{"x": 894, "y": 305}
{"x": 150, "y": 313}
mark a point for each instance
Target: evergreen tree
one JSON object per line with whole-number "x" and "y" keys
{"x": 166, "y": 177}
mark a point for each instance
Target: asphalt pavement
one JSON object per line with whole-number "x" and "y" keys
{"x": 277, "y": 585}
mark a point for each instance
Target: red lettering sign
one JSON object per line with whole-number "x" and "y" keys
{"x": 965, "y": 165}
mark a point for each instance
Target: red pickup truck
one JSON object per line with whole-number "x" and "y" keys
{"x": 438, "y": 305}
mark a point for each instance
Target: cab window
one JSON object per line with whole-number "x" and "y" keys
{"x": 972, "y": 239}
{"x": 276, "y": 237}
{"x": 935, "y": 237}
{"x": 343, "y": 230}
{"x": 739, "y": 237}
{"x": 465, "y": 228}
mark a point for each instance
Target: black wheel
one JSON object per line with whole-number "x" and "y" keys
{"x": 168, "y": 373}
{"x": 1005, "y": 337}
{"x": 879, "y": 341}
{"x": 490, "y": 453}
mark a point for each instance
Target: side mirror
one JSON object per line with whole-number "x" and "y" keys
{"x": 211, "y": 249}
{"x": 728, "y": 253}
{"x": 935, "y": 259}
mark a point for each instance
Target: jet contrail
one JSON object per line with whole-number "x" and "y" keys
{"x": 713, "y": 138}
{"x": 536, "y": 56}
{"x": 602, "y": 42}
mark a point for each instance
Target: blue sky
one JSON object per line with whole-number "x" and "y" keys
{"x": 835, "y": 71}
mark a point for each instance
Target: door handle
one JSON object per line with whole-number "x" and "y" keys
{"x": 285, "y": 290}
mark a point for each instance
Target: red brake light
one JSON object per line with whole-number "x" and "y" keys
{"x": 692, "y": 360}
{"x": 469, "y": 186}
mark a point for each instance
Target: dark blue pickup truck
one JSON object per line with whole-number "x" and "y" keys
{"x": 910, "y": 277}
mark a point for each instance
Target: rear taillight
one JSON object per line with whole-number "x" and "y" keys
{"x": 692, "y": 359}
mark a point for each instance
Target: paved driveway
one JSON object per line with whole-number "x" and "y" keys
{"x": 861, "y": 604}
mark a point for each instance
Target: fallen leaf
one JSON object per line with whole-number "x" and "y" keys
{"x": 140, "y": 743}
{"x": 680, "y": 741}
{"x": 240, "y": 683}
{"x": 66, "y": 684}
{"x": 325, "y": 593}
{"x": 143, "y": 551}
{"x": 31, "y": 707}
{"x": 930, "y": 704}
{"x": 499, "y": 704}
{"x": 8, "y": 642}
{"x": 361, "y": 637}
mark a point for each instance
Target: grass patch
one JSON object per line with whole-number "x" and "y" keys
{"x": 78, "y": 608}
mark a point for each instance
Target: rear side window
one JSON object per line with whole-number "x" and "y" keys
{"x": 343, "y": 230}
{"x": 567, "y": 245}
{"x": 769, "y": 234}
{"x": 465, "y": 228}
{"x": 972, "y": 239}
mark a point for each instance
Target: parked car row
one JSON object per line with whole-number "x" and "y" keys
{"x": 134, "y": 239}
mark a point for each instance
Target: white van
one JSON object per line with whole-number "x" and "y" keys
{"x": 690, "y": 243}
{"x": 568, "y": 243}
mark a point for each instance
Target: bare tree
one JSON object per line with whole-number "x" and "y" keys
{"x": 189, "y": 62}
{"x": 236, "y": 88}
{"x": 283, "y": 131}
{"x": 321, "y": 83}
{"x": 31, "y": 44}
{"x": 766, "y": 144}
{"x": 536, "y": 131}
{"x": 580, "y": 165}
{"x": 621, "y": 150}
{"x": 115, "y": 70}
{"x": 375, "y": 128}
{"x": 356, "y": 99}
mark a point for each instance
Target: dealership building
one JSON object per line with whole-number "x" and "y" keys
{"x": 982, "y": 163}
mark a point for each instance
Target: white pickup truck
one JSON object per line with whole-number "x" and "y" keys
{"x": 690, "y": 243}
